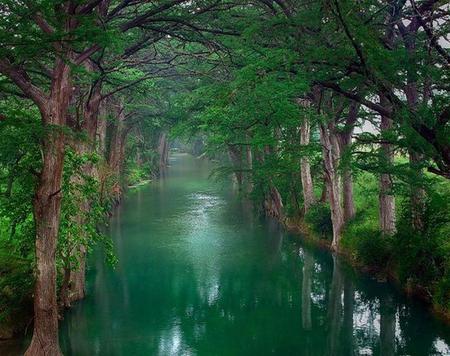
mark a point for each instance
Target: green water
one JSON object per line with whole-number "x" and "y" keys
{"x": 199, "y": 274}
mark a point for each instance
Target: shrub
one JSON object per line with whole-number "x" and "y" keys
{"x": 424, "y": 256}
{"x": 319, "y": 217}
{"x": 16, "y": 286}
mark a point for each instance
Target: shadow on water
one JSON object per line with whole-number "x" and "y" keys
{"x": 200, "y": 274}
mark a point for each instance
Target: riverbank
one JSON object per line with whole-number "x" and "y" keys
{"x": 386, "y": 272}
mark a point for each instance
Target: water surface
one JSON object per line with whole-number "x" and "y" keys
{"x": 200, "y": 274}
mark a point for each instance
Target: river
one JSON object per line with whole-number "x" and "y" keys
{"x": 199, "y": 273}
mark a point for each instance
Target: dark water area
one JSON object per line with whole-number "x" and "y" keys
{"x": 200, "y": 274}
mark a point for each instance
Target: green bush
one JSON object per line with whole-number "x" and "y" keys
{"x": 319, "y": 217}
{"x": 16, "y": 287}
{"x": 364, "y": 239}
{"x": 374, "y": 249}
{"x": 136, "y": 175}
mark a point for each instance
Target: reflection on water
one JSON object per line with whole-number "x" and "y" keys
{"x": 198, "y": 274}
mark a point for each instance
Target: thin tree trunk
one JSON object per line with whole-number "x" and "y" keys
{"x": 418, "y": 194}
{"x": 345, "y": 140}
{"x": 117, "y": 144}
{"x": 163, "y": 150}
{"x": 47, "y": 211}
{"x": 101, "y": 129}
{"x": 305, "y": 168}
{"x": 332, "y": 180}
{"x": 249, "y": 155}
{"x": 412, "y": 97}
{"x": 235, "y": 155}
{"x": 386, "y": 196}
{"x": 273, "y": 203}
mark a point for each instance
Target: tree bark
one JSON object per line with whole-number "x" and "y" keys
{"x": 249, "y": 157}
{"x": 332, "y": 180}
{"x": 386, "y": 196}
{"x": 305, "y": 168}
{"x": 273, "y": 204}
{"x": 101, "y": 129}
{"x": 345, "y": 140}
{"x": 47, "y": 211}
{"x": 418, "y": 194}
{"x": 89, "y": 126}
{"x": 117, "y": 145}
{"x": 235, "y": 155}
{"x": 163, "y": 150}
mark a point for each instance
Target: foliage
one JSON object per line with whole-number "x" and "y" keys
{"x": 319, "y": 218}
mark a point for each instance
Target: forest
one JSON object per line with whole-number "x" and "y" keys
{"x": 331, "y": 116}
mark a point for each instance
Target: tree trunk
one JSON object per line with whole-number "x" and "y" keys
{"x": 345, "y": 140}
{"x": 101, "y": 129}
{"x": 65, "y": 285}
{"x": 117, "y": 149}
{"x": 163, "y": 150}
{"x": 273, "y": 204}
{"x": 412, "y": 97}
{"x": 347, "y": 195}
{"x": 235, "y": 155}
{"x": 386, "y": 196}
{"x": 47, "y": 211}
{"x": 305, "y": 168}
{"x": 418, "y": 194}
{"x": 77, "y": 289}
{"x": 249, "y": 155}
{"x": 332, "y": 179}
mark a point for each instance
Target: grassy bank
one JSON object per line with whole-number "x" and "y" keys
{"x": 417, "y": 261}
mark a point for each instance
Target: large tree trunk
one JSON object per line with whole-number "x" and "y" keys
{"x": 77, "y": 284}
{"x": 47, "y": 211}
{"x": 386, "y": 196}
{"x": 330, "y": 153}
{"x": 305, "y": 168}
